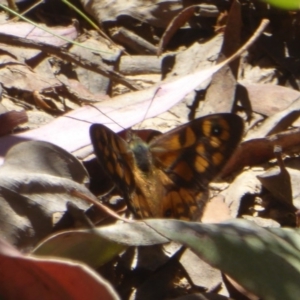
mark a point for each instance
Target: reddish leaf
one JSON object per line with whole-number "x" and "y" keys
{"x": 24, "y": 277}
{"x": 257, "y": 151}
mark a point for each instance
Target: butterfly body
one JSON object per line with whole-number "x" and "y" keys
{"x": 149, "y": 180}
{"x": 169, "y": 175}
{"x": 141, "y": 153}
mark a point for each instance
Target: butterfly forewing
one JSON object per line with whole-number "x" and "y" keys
{"x": 194, "y": 153}
{"x": 114, "y": 156}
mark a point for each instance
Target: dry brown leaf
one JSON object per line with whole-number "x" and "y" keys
{"x": 35, "y": 182}
{"x": 157, "y": 13}
{"x": 268, "y": 99}
{"x": 92, "y": 81}
{"x": 243, "y": 184}
{"x": 220, "y": 94}
{"x": 216, "y": 210}
{"x": 19, "y": 76}
{"x": 257, "y": 151}
{"x": 201, "y": 273}
{"x": 175, "y": 24}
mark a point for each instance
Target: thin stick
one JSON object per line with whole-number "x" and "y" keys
{"x": 263, "y": 25}
{"x": 100, "y": 206}
{"x": 148, "y": 108}
{"x": 107, "y": 116}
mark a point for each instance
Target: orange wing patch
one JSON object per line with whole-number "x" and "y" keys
{"x": 183, "y": 170}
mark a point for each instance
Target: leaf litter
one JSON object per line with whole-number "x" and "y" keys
{"x": 37, "y": 178}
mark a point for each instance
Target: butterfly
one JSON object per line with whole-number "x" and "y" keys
{"x": 168, "y": 176}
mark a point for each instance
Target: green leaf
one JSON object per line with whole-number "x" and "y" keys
{"x": 81, "y": 245}
{"x": 97, "y": 246}
{"x": 263, "y": 261}
{"x": 285, "y": 4}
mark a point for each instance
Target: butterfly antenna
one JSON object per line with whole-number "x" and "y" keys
{"x": 107, "y": 116}
{"x": 147, "y": 110}
{"x": 73, "y": 118}
{"x": 70, "y": 117}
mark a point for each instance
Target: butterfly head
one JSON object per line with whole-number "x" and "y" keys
{"x": 141, "y": 153}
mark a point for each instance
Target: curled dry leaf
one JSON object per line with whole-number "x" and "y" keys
{"x": 284, "y": 185}
{"x": 244, "y": 184}
{"x": 178, "y": 21}
{"x": 35, "y": 182}
{"x": 257, "y": 151}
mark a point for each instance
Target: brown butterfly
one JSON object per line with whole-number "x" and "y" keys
{"x": 169, "y": 176}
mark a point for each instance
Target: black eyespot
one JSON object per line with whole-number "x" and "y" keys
{"x": 216, "y": 129}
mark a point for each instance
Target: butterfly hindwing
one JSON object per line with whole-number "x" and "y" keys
{"x": 184, "y": 204}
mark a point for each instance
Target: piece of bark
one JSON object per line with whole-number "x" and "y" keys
{"x": 133, "y": 41}
{"x": 140, "y": 64}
